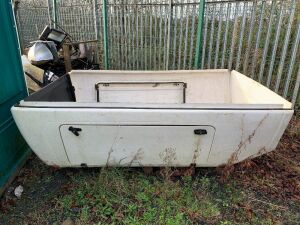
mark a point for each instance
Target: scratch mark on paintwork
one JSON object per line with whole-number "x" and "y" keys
{"x": 112, "y": 145}
{"x": 234, "y": 156}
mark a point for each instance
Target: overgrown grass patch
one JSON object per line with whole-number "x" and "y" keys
{"x": 128, "y": 196}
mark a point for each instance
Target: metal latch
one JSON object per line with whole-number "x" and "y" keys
{"x": 200, "y": 131}
{"x": 75, "y": 130}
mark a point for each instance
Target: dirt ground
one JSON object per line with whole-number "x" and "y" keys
{"x": 264, "y": 190}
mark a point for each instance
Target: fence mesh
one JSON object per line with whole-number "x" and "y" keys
{"x": 31, "y": 18}
{"x": 259, "y": 38}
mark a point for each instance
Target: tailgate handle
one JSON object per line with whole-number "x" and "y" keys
{"x": 200, "y": 131}
{"x": 75, "y": 130}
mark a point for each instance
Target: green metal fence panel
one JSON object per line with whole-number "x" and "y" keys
{"x": 256, "y": 37}
{"x": 105, "y": 36}
{"x": 199, "y": 34}
{"x": 13, "y": 149}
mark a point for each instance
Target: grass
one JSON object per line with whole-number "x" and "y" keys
{"x": 120, "y": 196}
{"x": 253, "y": 194}
{"x": 128, "y": 196}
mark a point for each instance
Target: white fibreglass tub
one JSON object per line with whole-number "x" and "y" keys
{"x": 205, "y": 118}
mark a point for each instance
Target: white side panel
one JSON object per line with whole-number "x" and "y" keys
{"x": 137, "y": 145}
{"x": 247, "y": 91}
{"x": 239, "y": 134}
{"x": 203, "y": 86}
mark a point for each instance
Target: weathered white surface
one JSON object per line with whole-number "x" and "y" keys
{"x": 137, "y": 92}
{"x": 238, "y": 133}
{"x": 240, "y": 122}
{"x": 150, "y": 105}
{"x": 135, "y": 145}
{"x": 247, "y": 91}
{"x": 203, "y": 86}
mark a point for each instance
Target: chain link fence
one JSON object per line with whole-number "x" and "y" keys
{"x": 259, "y": 38}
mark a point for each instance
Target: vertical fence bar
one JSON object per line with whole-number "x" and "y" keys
{"x": 114, "y": 57}
{"x": 285, "y": 47}
{"x": 120, "y": 36}
{"x": 54, "y": 9}
{"x": 156, "y": 38}
{"x": 234, "y": 36}
{"x": 192, "y": 38}
{"x": 247, "y": 54}
{"x": 204, "y": 41}
{"x": 96, "y": 25}
{"x": 110, "y": 28}
{"x": 146, "y": 37}
{"x": 218, "y": 37}
{"x": 296, "y": 89}
{"x": 180, "y": 38}
{"x": 225, "y": 35}
{"x": 266, "y": 47}
{"x": 49, "y": 12}
{"x": 292, "y": 62}
{"x": 275, "y": 46}
{"x": 127, "y": 22}
{"x": 133, "y": 38}
{"x": 169, "y": 34}
{"x": 126, "y": 36}
{"x": 199, "y": 34}
{"x": 175, "y": 37}
{"x": 160, "y": 34}
{"x": 141, "y": 56}
{"x": 186, "y": 37}
{"x": 254, "y": 62}
{"x": 130, "y": 36}
{"x": 150, "y": 33}
{"x": 238, "y": 59}
{"x": 105, "y": 35}
{"x": 211, "y": 38}
{"x": 18, "y": 23}
{"x": 165, "y": 36}
{"x": 136, "y": 39}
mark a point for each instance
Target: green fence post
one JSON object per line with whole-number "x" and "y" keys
{"x": 199, "y": 34}
{"x": 54, "y": 15}
{"x": 105, "y": 35}
{"x": 169, "y": 33}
